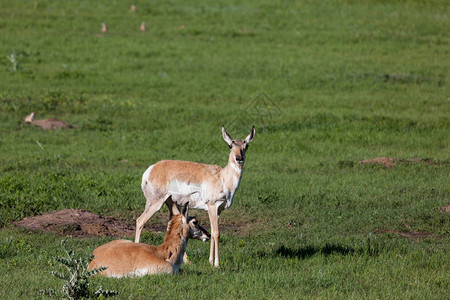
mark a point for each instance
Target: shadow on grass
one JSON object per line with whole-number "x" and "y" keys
{"x": 308, "y": 251}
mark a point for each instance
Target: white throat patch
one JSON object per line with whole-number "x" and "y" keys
{"x": 236, "y": 168}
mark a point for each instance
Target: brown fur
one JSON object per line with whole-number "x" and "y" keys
{"x": 125, "y": 258}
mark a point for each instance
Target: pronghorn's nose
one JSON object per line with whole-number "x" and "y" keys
{"x": 205, "y": 237}
{"x": 239, "y": 158}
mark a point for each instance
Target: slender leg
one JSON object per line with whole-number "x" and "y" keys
{"x": 186, "y": 259}
{"x": 211, "y": 249}
{"x": 146, "y": 215}
{"x": 216, "y": 246}
{"x": 214, "y": 220}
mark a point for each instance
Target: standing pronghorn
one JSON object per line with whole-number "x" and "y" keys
{"x": 207, "y": 187}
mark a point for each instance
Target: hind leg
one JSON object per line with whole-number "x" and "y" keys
{"x": 149, "y": 211}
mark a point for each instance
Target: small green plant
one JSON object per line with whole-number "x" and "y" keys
{"x": 12, "y": 57}
{"x": 76, "y": 277}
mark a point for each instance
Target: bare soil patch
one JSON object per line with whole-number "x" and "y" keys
{"x": 52, "y": 123}
{"x": 231, "y": 222}
{"x": 384, "y": 161}
{"x": 83, "y": 223}
{"x": 445, "y": 209}
{"x": 389, "y": 162}
{"x": 77, "y": 223}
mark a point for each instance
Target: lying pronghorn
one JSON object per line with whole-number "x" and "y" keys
{"x": 207, "y": 187}
{"x": 125, "y": 258}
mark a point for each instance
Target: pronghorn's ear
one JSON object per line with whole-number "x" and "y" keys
{"x": 250, "y": 137}
{"x": 185, "y": 210}
{"x": 226, "y": 136}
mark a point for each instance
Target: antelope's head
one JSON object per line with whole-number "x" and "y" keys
{"x": 238, "y": 147}
{"x": 190, "y": 224}
{"x": 196, "y": 231}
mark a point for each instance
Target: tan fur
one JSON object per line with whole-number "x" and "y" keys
{"x": 125, "y": 258}
{"x": 166, "y": 170}
{"x": 30, "y": 118}
{"x": 207, "y": 187}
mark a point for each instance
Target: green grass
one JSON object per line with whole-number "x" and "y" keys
{"x": 342, "y": 81}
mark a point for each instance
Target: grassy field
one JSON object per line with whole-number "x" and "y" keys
{"x": 326, "y": 83}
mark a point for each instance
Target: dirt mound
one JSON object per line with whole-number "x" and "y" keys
{"x": 445, "y": 209}
{"x": 48, "y": 124}
{"x": 385, "y": 161}
{"x": 52, "y": 123}
{"x": 390, "y": 162}
{"x": 77, "y": 223}
{"x": 83, "y": 223}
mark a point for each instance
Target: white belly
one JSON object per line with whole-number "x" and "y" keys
{"x": 183, "y": 192}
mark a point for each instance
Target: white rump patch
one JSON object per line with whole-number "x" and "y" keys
{"x": 146, "y": 176}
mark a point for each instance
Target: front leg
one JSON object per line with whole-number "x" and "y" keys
{"x": 214, "y": 220}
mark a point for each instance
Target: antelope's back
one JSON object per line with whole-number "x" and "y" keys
{"x": 125, "y": 258}
{"x": 167, "y": 170}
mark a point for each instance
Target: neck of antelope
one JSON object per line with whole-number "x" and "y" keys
{"x": 174, "y": 244}
{"x": 233, "y": 165}
{"x": 232, "y": 174}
